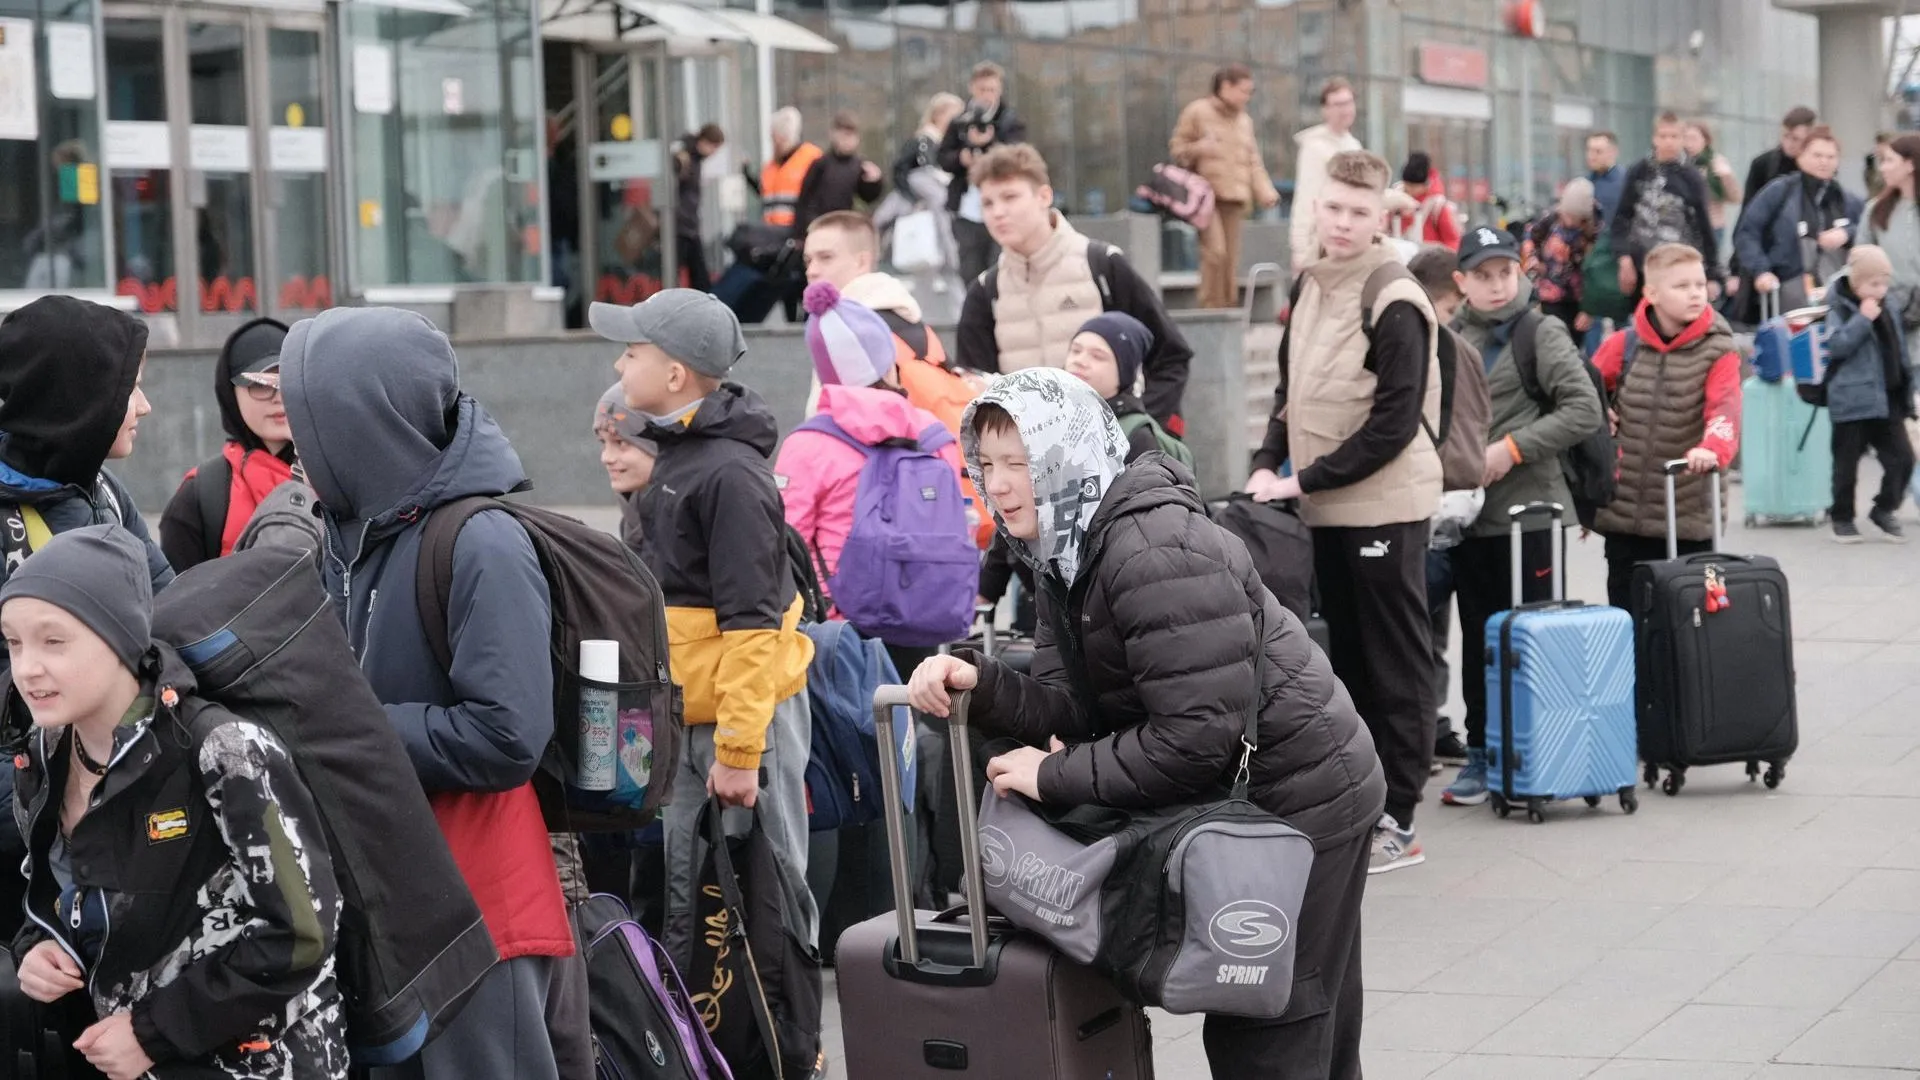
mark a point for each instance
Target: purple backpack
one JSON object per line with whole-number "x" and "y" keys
{"x": 909, "y": 572}
{"x": 645, "y": 1026}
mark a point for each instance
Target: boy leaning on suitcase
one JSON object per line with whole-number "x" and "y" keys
{"x": 1523, "y": 459}
{"x": 1675, "y": 394}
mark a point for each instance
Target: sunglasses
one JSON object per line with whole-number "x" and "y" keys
{"x": 263, "y": 391}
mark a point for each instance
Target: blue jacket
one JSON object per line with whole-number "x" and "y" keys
{"x": 386, "y": 436}
{"x": 1866, "y": 366}
{"x": 1767, "y": 239}
{"x": 1607, "y": 188}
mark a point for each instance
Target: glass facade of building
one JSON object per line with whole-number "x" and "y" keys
{"x": 52, "y": 225}
{"x": 1100, "y": 82}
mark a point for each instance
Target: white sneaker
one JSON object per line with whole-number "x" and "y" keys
{"x": 1393, "y": 847}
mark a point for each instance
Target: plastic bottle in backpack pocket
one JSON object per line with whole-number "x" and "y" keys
{"x": 599, "y": 716}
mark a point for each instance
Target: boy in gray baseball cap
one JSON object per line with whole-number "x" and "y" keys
{"x": 712, "y": 529}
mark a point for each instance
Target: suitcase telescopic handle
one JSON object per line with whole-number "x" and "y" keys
{"x": 885, "y": 700}
{"x": 1769, "y": 302}
{"x": 1673, "y": 469}
{"x": 1520, "y": 514}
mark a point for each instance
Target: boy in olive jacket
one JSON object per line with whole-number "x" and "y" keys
{"x": 1524, "y": 440}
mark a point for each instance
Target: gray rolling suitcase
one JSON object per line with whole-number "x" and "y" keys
{"x": 933, "y": 995}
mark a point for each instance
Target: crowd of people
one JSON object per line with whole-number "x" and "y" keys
{"x": 1045, "y": 444}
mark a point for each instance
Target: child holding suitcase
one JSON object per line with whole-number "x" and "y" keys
{"x": 1152, "y": 615}
{"x": 1674, "y": 380}
{"x": 1869, "y": 395}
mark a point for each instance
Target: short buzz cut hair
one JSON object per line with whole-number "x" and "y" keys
{"x": 1610, "y": 137}
{"x": 856, "y": 226}
{"x": 1799, "y": 116}
{"x": 1669, "y": 255}
{"x": 987, "y": 69}
{"x": 1667, "y": 118}
{"x": 1333, "y": 86}
{"x": 1433, "y": 266}
{"x": 844, "y": 120}
{"x": 1016, "y": 162}
{"x": 1359, "y": 168}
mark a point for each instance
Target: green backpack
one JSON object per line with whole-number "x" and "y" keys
{"x": 1600, "y": 294}
{"x": 1169, "y": 445}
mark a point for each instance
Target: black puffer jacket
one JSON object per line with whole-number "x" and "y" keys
{"x": 1168, "y": 608}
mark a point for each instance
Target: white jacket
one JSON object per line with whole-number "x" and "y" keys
{"x": 1317, "y": 145}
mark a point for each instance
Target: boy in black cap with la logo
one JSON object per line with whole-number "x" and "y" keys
{"x": 1524, "y": 441}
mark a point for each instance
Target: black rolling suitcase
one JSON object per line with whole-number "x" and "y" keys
{"x": 1714, "y": 645}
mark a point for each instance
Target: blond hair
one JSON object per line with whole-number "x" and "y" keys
{"x": 1669, "y": 255}
{"x": 1017, "y": 162}
{"x": 1359, "y": 168}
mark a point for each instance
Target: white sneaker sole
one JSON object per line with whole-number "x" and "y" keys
{"x": 1449, "y": 798}
{"x": 1400, "y": 863}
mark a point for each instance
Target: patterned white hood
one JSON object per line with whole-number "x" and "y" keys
{"x": 1075, "y": 449}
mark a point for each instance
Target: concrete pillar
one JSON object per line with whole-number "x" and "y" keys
{"x": 1853, "y": 70}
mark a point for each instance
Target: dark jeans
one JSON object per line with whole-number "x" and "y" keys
{"x": 1373, "y": 593}
{"x": 693, "y": 259}
{"x": 1625, "y": 552}
{"x": 1888, "y": 440}
{"x": 1319, "y": 1036}
{"x": 1483, "y": 580}
{"x": 977, "y": 249}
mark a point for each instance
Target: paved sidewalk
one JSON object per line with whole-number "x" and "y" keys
{"x": 1725, "y": 934}
{"x": 1731, "y": 933}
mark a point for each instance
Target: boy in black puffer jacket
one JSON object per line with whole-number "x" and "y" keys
{"x": 1180, "y": 639}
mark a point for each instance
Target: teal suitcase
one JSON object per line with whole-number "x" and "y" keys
{"x": 1786, "y": 467}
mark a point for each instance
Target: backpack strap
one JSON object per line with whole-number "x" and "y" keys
{"x": 1526, "y": 359}
{"x": 433, "y": 577}
{"x": 913, "y": 333}
{"x": 935, "y": 439}
{"x": 1377, "y": 281}
{"x": 214, "y": 481}
{"x": 1383, "y": 275}
{"x": 823, "y": 424}
{"x": 1100, "y": 262}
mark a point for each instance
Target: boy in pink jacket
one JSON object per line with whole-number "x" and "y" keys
{"x": 860, "y": 391}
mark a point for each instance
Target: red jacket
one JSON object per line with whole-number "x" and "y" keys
{"x": 1723, "y": 382}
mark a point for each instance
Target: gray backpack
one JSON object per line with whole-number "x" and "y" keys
{"x": 287, "y": 517}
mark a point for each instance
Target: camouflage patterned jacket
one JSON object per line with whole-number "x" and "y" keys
{"x": 200, "y": 896}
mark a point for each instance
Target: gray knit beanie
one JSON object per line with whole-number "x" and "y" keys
{"x": 98, "y": 575}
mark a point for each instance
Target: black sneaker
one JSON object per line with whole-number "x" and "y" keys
{"x": 1447, "y": 747}
{"x": 1889, "y": 525}
{"x": 1846, "y": 532}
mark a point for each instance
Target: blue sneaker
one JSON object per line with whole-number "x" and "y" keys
{"x": 1470, "y": 787}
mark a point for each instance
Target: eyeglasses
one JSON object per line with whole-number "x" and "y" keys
{"x": 263, "y": 391}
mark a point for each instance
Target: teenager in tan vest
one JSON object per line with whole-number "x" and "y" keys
{"x": 1358, "y": 392}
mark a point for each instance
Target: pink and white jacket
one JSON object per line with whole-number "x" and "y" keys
{"x": 818, "y": 474}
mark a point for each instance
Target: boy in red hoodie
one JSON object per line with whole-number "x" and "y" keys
{"x": 1674, "y": 384}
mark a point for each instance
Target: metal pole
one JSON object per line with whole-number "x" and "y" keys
{"x": 1526, "y": 124}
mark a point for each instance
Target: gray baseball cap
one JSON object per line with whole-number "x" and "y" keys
{"x": 688, "y": 325}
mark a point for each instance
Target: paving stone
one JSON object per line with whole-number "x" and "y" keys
{"x": 1860, "y": 1038}
{"x": 1576, "y": 1027}
{"x": 1723, "y": 1033}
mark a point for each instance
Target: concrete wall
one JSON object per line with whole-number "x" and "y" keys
{"x": 543, "y": 392}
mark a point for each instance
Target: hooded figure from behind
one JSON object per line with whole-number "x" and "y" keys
{"x": 1155, "y": 638}
{"x": 217, "y": 498}
{"x": 386, "y": 437}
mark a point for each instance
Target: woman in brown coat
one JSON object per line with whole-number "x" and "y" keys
{"x": 1214, "y": 138}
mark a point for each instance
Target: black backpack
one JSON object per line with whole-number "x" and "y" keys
{"x": 1279, "y": 542}
{"x": 645, "y": 1025}
{"x": 600, "y": 590}
{"x": 1592, "y": 465}
{"x": 258, "y": 632}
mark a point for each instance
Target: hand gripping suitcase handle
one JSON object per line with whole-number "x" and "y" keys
{"x": 1675, "y": 468}
{"x": 885, "y": 700}
{"x": 1556, "y": 542}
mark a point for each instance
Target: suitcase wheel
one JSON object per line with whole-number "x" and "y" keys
{"x": 1676, "y": 779}
{"x": 1776, "y": 772}
{"x": 1651, "y": 774}
{"x": 1537, "y": 811}
{"x": 1500, "y": 805}
{"x": 1593, "y": 800}
{"x": 1629, "y": 799}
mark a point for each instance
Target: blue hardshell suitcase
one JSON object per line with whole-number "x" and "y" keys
{"x": 1560, "y": 694}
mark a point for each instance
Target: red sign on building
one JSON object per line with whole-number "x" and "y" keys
{"x": 1453, "y": 65}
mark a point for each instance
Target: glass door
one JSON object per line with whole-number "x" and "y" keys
{"x": 626, "y": 159}
{"x": 220, "y": 172}
{"x": 138, "y": 151}
{"x": 296, "y": 170}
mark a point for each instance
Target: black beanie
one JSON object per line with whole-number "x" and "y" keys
{"x": 98, "y": 575}
{"x": 67, "y": 367}
{"x": 1129, "y": 339}
{"x": 1418, "y": 170}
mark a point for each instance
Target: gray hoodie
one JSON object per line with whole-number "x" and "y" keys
{"x": 373, "y": 398}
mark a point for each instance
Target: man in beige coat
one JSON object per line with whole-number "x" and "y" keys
{"x": 1215, "y": 139}
{"x": 1317, "y": 145}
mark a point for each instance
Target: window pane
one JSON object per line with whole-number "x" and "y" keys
{"x": 142, "y": 193}
{"x": 50, "y": 186}
{"x": 221, "y": 177}
{"x": 298, "y": 162}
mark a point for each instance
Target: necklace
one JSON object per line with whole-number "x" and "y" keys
{"x": 97, "y": 768}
